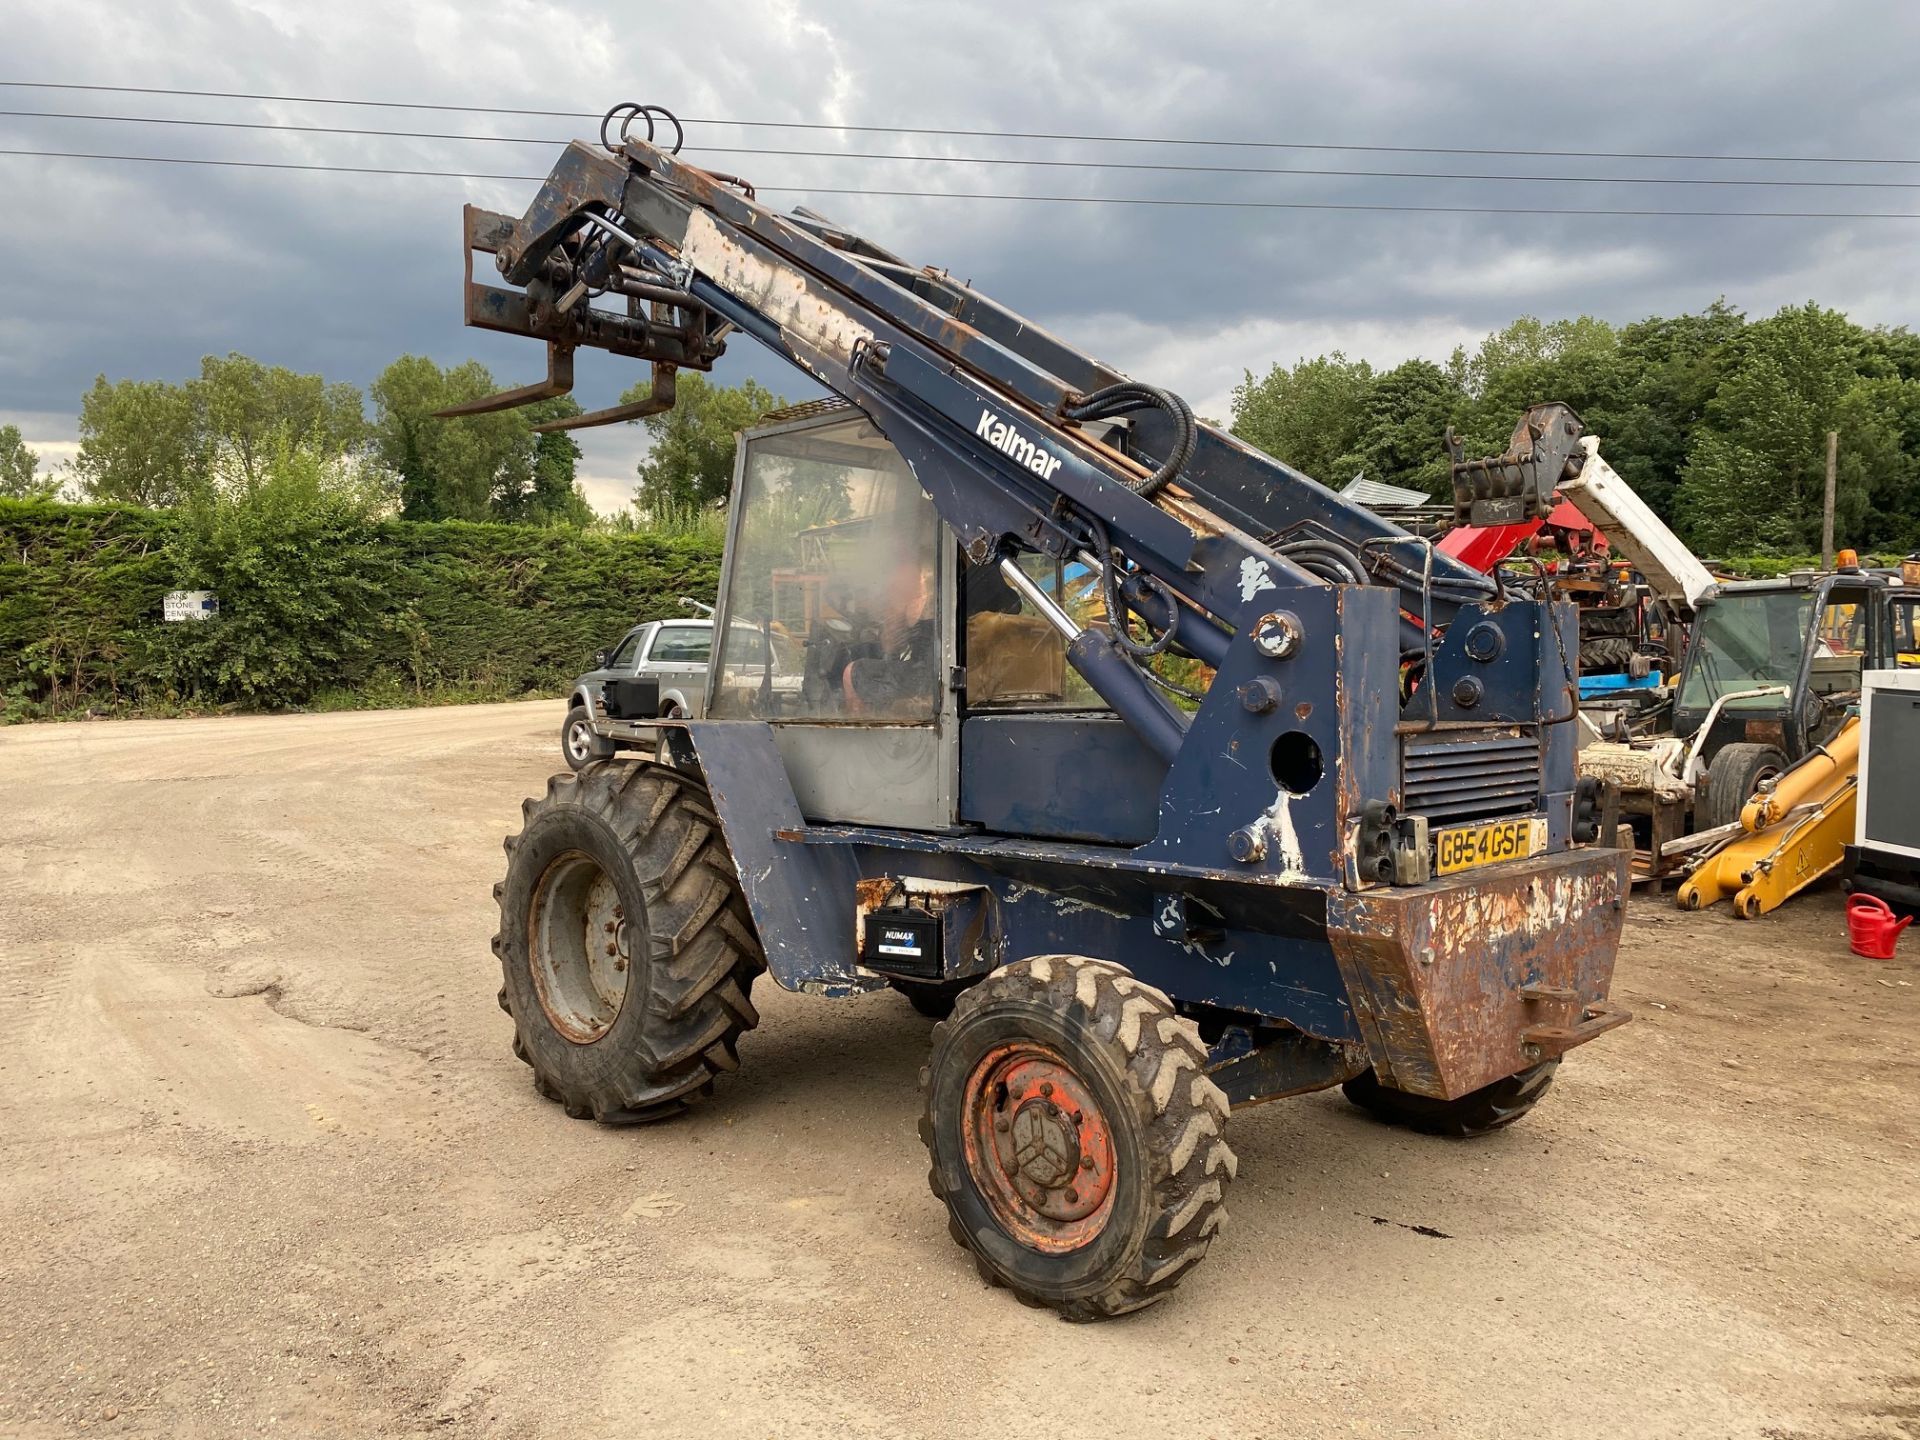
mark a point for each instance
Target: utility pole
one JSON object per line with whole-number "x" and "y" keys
{"x": 1826, "y": 508}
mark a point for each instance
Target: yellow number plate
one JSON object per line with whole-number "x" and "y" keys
{"x": 1466, "y": 846}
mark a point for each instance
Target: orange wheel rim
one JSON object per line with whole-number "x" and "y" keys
{"x": 1038, "y": 1147}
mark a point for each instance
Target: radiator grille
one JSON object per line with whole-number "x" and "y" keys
{"x": 1471, "y": 776}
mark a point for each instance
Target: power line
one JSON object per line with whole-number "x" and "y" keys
{"x": 980, "y": 134}
{"x": 1159, "y": 167}
{"x": 271, "y": 165}
{"x": 1047, "y": 199}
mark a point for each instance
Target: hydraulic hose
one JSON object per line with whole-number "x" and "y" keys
{"x": 1116, "y": 602}
{"x": 1325, "y": 558}
{"x": 1128, "y": 396}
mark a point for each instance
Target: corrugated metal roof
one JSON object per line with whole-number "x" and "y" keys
{"x": 1376, "y": 493}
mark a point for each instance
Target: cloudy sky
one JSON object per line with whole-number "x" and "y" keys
{"x": 140, "y": 269}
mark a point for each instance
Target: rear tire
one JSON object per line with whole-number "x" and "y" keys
{"x": 579, "y": 746}
{"x": 1732, "y": 779}
{"x": 626, "y": 949}
{"x": 1479, "y": 1112}
{"x": 1075, "y": 1137}
{"x": 1606, "y": 652}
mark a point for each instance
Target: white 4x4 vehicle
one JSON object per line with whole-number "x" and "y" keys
{"x": 672, "y": 652}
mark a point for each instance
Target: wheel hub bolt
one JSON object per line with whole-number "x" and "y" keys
{"x": 1046, "y": 1087}
{"x": 1073, "y": 1197}
{"x": 612, "y": 949}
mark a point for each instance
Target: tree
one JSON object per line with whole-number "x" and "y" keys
{"x": 1402, "y": 438}
{"x": 301, "y": 570}
{"x": 1756, "y": 468}
{"x": 140, "y": 443}
{"x": 1310, "y": 416}
{"x": 249, "y": 410}
{"x": 475, "y": 467}
{"x": 19, "y": 469}
{"x": 1878, "y": 476}
{"x": 1719, "y": 424}
{"x": 1575, "y": 361}
{"x": 149, "y": 442}
{"x": 689, "y": 460}
{"x": 1671, "y": 367}
{"x": 543, "y": 490}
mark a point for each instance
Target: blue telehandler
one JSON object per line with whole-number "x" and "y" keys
{"x": 1171, "y": 780}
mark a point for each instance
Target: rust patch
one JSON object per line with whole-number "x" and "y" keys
{"x": 1303, "y": 710}
{"x": 1460, "y": 983}
{"x": 1039, "y": 1148}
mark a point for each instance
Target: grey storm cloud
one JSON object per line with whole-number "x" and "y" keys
{"x": 138, "y": 270}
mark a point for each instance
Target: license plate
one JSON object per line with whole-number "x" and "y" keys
{"x": 1464, "y": 846}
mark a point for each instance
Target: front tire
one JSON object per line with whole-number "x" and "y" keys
{"x": 1075, "y": 1137}
{"x": 1734, "y": 777}
{"x": 1479, "y": 1112}
{"x": 626, "y": 949}
{"x": 578, "y": 744}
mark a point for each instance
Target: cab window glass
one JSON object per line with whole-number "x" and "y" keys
{"x": 1744, "y": 640}
{"x": 1841, "y": 649}
{"x": 1905, "y": 612}
{"x": 1016, "y": 660}
{"x": 1843, "y": 627}
{"x": 623, "y": 655}
{"x": 684, "y": 644}
{"x": 832, "y": 595}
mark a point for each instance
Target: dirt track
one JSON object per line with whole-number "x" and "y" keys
{"x": 267, "y": 1166}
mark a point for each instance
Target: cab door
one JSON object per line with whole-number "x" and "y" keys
{"x": 677, "y": 658}
{"x": 622, "y": 662}
{"x": 1902, "y": 647}
{"x": 835, "y": 623}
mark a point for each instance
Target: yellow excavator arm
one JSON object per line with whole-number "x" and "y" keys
{"x": 1792, "y": 834}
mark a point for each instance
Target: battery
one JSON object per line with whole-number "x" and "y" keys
{"x": 904, "y": 941}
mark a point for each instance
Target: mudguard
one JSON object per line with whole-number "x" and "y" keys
{"x": 801, "y": 895}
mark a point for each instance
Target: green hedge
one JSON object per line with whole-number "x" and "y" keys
{"x": 313, "y": 607}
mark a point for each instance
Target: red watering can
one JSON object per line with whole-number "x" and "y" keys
{"x": 1871, "y": 927}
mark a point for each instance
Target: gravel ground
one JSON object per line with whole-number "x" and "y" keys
{"x": 267, "y": 1167}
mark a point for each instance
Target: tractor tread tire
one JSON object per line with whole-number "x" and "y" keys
{"x": 1604, "y": 620}
{"x": 1467, "y": 1117}
{"x": 1180, "y": 1116}
{"x": 695, "y": 954}
{"x": 1606, "y": 652}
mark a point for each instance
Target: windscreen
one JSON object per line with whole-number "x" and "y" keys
{"x": 832, "y": 598}
{"x": 1742, "y": 642}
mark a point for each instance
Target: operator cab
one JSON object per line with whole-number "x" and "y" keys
{"x": 1806, "y": 639}
{"x": 908, "y": 688}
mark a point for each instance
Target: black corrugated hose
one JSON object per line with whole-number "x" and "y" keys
{"x": 1128, "y": 396}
